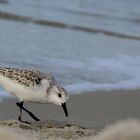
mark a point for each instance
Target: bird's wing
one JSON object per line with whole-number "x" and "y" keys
{"x": 26, "y": 77}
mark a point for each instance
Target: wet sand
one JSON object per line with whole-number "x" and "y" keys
{"x": 88, "y": 114}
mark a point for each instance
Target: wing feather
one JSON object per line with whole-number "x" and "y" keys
{"x": 27, "y": 77}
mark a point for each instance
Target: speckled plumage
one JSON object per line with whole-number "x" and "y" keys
{"x": 32, "y": 86}
{"x": 26, "y": 77}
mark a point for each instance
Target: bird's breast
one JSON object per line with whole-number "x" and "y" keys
{"x": 23, "y": 93}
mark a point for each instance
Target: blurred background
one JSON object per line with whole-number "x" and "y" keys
{"x": 88, "y": 45}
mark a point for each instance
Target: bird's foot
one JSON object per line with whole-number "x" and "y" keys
{"x": 25, "y": 122}
{"x": 19, "y": 119}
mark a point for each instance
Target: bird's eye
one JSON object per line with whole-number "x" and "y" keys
{"x": 59, "y": 95}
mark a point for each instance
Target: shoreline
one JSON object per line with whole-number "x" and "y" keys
{"x": 90, "y": 110}
{"x": 89, "y": 114}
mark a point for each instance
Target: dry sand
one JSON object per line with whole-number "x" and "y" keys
{"x": 89, "y": 114}
{"x": 124, "y": 130}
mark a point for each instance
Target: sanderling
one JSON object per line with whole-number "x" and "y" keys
{"x": 32, "y": 86}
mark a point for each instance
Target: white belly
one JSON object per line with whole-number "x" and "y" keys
{"x": 31, "y": 94}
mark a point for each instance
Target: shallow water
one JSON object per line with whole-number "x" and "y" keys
{"x": 88, "y": 45}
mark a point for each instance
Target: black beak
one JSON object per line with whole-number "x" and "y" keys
{"x": 65, "y": 109}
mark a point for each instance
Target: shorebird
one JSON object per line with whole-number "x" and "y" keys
{"x": 32, "y": 86}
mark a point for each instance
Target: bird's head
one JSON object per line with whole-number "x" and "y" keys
{"x": 58, "y": 95}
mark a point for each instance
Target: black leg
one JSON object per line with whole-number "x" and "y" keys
{"x": 20, "y": 111}
{"x": 20, "y": 105}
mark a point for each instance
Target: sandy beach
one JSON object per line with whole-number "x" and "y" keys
{"x": 92, "y": 48}
{"x": 88, "y": 114}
